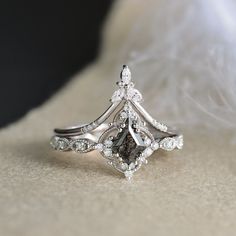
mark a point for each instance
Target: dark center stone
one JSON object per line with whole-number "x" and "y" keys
{"x": 128, "y": 143}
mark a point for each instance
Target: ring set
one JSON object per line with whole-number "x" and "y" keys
{"x": 125, "y": 134}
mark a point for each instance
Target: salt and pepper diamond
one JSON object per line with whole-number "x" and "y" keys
{"x": 128, "y": 144}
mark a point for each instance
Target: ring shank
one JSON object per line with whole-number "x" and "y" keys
{"x": 82, "y": 129}
{"x": 95, "y": 129}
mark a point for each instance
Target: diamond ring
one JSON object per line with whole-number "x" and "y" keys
{"x": 125, "y": 134}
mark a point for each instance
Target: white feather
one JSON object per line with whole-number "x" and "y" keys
{"x": 183, "y": 57}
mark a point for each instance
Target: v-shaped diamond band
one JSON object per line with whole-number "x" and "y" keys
{"x": 125, "y": 134}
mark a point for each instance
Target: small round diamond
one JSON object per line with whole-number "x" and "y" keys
{"x": 107, "y": 152}
{"x": 79, "y": 146}
{"x": 123, "y": 166}
{"x": 142, "y": 158}
{"x": 117, "y": 95}
{"x": 54, "y": 142}
{"x": 155, "y": 145}
{"x": 160, "y": 126}
{"x": 108, "y": 143}
{"x": 168, "y": 144}
{"x": 99, "y": 147}
{"x": 62, "y": 144}
{"x": 123, "y": 115}
{"x": 126, "y": 107}
{"x": 129, "y": 174}
{"x": 134, "y": 94}
{"x": 147, "y": 152}
{"x": 131, "y": 166}
{"x": 132, "y": 114}
{"x": 147, "y": 141}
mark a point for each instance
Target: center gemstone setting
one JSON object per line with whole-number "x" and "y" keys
{"x": 128, "y": 144}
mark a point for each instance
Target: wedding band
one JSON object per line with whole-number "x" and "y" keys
{"x": 125, "y": 134}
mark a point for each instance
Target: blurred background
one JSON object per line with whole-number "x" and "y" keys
{"x": 42, "y": 45}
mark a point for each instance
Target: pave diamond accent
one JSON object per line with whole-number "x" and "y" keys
{"x": 99, "y": 147}
{"x": 108, "y": 143}
{"x": 160, "y": 126}
{"x": 107, "y": 152}
{"x": 147, "y": 141}
{"x": 147, "y": 152}
{"x": 129, "y": 174}
{"x": 118, "y": 95}
{"x": 54, "y": 142}
{"x": 79, "y": 145}
{"x": 134, "y": 95}
{"x": 60, "y": 144}
{"x": 123, "y": 115}
{"x": 168, "y": 144}
{"x": 124, "y": 166}
{"x": 155, "y": 145}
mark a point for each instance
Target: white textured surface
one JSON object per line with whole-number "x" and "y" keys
{"x": 188, "y": 192}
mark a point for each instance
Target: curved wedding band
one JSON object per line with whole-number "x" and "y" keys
{"x": 125, "y": 134}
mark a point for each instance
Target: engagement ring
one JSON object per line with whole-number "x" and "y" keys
{"x": 125, "y": 134}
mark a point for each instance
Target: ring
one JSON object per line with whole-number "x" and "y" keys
{"x": 125, "y": 134}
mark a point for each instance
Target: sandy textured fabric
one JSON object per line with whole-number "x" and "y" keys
{"x": 188, "y": 192}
